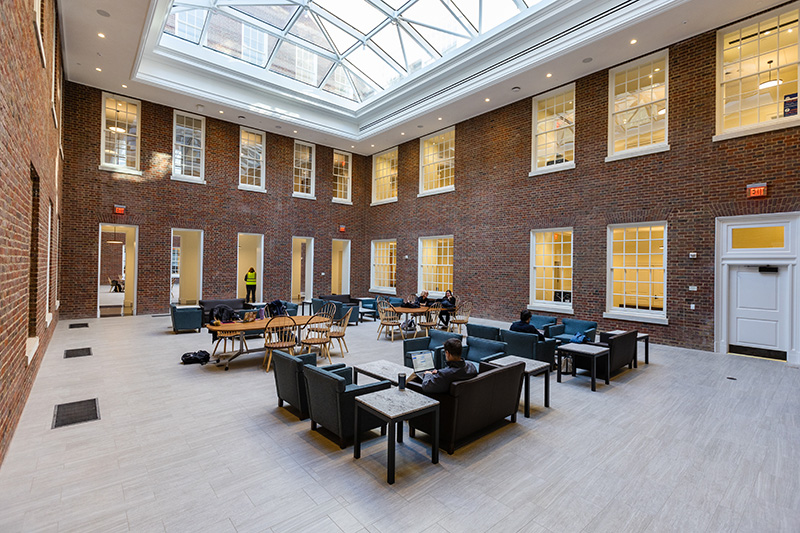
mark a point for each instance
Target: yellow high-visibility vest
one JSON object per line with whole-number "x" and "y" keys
{"x": 250, "y": 278}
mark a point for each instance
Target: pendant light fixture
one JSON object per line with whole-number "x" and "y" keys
{"x": 770, "y": 82}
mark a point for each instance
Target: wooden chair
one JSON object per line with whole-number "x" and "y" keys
{"x": 318, "y": 334}
{"x": 338, "y": 328}
{"x": 460, "y": 316}
{"x": 224, "y": 336}
{"x": 430, "y": 319}
{"x": 278, "y": 335}
{"x": 390, "y": 319}
{"x": 328, "y": 310}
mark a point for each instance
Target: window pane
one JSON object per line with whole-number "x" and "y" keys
{"x": 764, "y": 237}
{"x": 384, "y": 181}
{"x": 436, "y": 264}
{"x": 552, "y": 266}
{"x": 303, "y": 169}
{"x": 638, "y": 259}
{"x": 438, "y": 160}
{"x": 555, "y": 129}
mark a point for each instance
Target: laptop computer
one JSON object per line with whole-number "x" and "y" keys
{"x": 422, "y": 362}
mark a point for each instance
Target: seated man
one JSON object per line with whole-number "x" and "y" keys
{"x": 523, "y": 325}
{"x": 456, "y": 369}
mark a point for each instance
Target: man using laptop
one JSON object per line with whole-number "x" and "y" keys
{"x": 456, "y": 369}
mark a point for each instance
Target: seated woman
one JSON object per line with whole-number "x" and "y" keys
{"x": 448, "y": 302}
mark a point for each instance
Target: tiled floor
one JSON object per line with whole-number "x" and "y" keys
{"x": 673, "y": 446}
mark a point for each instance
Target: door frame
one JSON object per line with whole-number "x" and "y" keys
{"x": 200, "y": 266}
{"x": 309, "y": 288}
{"x": 135, "y": 263}
{"x": 259, "y": 265}
{"x": 725, "y": 257}
{"x": 345, "y": 281}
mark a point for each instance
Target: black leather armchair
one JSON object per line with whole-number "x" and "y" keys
{"x": 528, "y": 345}
{"x": 289, "y": 380}
{"x": 622, "y": 351}
{"x": 433, "y": 343}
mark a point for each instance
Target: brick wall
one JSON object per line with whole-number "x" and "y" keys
{"x": 29, "y": 140}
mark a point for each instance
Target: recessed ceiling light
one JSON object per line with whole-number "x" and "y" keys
{"x": 352, "y": 146}
{"x": 103, "y": 13}
{"x": 221, "y": 112}
{"x": 402, "y": 133}
{"x": 633, "y": 41}
{"x": 372, "y": 145}
{"x": 98, "y": 69}
{"x": 549, "y": 75}
{"x": 488, "y": 100}
{"x": 295, "y": 131}
{"x": 440, "y": 118}
{"x": 587, "y": 59}
{"x": 515, "y": 89}
{"x": 658, "y": 69}
{"x": 277, "y": 127}
{"x": 124, "y": 86}
{"x": 101, "y": 35}
{"x": 241, "y": 117}
{"x": 419, "y": 125}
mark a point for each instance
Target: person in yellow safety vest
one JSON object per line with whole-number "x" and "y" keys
{"x": 250, "y": 282}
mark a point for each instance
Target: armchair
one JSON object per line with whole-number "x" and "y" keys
{"x": 478, "y": 349}
{"x": 316, "y": 305}
{"x": 540, "y": 321}
{"x": 528, "y": 345}
{"x": 570, "y": 326}
{"x": 622, "y": 351}
{"x": 341, "y": 310}
{"x": 369, "y": 307}
{"x": 186, "y": 317}
{"x": 331, "y": 401}
{"x": 289, "y": 381}
{"x": 484, "y": 332}
{"x": 433, "y": 343}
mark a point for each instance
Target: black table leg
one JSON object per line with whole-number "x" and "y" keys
{"x": 594, "y": 372}
{"x": 547, "y": 388}
{"x": 608, "y": 367}
{"x": 356, "y": 440}
{"x": 647, "y": 350}
{"x": 355, "y": 377}
{"x": 527, "y": 395}
{"x": 435, "y": 448}
{"x": 390, "y": 454}
{"x": 558, "y": 367}
{"x": 399, "y": 431}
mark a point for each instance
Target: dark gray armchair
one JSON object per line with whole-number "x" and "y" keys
{"x": 186, "y": 317}
{"x": 331, "y": 401}
{"x": 289, "y": 380}
{"x": 478, "y": 349}
{"x": 528, "y": 345}
{"x": 484, "y": 332}
{"x": 433, "y": 343}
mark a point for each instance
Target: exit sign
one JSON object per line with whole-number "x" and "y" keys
{"x": 119, "y": 209}
{"x": 757, "y": 190}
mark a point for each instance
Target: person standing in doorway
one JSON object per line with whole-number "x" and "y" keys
{"x": 250, "y": 282}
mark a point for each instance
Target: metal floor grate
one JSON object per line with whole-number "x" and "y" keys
{"x": 77, "y": 352}
{"x": 79, "y": 325}
{"x": 67, "y": 414}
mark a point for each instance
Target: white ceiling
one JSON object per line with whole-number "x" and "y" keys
{"x": 559, "y": 40}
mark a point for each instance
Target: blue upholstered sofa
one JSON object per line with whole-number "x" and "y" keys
{"x": 564, "y": 332}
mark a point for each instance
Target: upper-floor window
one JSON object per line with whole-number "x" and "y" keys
{"x": 435, "y": 265}
{"x": 437, "y": 162}
{"x": 305, "y": 66}
{"x": 120, "y": 134}
{"x": 303, "y": 170}
{"x": 384, "y": 266}
{"x": 251, "y": 159}
{"x": 254, "y": 45}
{"x": 38, "y": 21}
{"x": 384, "y": 177}
{"x": 342, "y": 177}
{"x": 554, "y": 131}
{"x": 551, "y": 270}
{"x": 757, "y": 62}
{"x": 638, "y": 107}
{"x": 637, "y": 272}
{"x": 188, "y": 139}
{"x": 189, "y": 24}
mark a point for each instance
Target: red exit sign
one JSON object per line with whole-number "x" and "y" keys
{"x": 119, "y": 209}
{"x": 757, "y": 190}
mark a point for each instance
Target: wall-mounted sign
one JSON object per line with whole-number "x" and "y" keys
{"x": 790, "y": 105}
{"x": 119, "y": 209}
{"x": 341, "y": 228}
{"x": 756, "y": 190}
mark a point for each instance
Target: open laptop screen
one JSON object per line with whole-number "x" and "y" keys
{"x": 422, "y": 361}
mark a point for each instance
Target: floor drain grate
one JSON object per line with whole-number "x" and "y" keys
{"x": 732, "y": 379}
{"x": 77, "y": 352}
{"x": 79, "y": 325}
{"x": 67, "y": 414}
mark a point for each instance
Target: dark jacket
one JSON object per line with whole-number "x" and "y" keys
{"x": 526, "y": 327}
{"x": 454, "y": 371}
{"x": 448, "y": 302}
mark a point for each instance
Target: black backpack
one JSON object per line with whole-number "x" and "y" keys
{"x": 277, "y": 308}
{"x": 223, "y": 313}
{"x": 200, "y": 357}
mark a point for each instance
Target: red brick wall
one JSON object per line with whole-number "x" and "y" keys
{"x": 29, "y": 140}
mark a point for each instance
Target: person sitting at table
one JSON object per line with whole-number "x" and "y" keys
{"x": 448, "y": 302}
{"x": 523, "y": 325}
{"x": 456, "y": 369}
{"x": 422, "y": 299}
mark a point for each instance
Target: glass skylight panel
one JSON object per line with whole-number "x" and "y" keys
{"x": 229, "y": 36}
{"x": 437, "y": 25}
{"x": 389, "y": 41}
{"x": 373, "y": 66}
{"x": 364, "y": 89}
{"x": 277, "y": 16}
{"x": 497, "y": 12}
{"x": 357, "y": 13}
{"x": 341, "y": 39}
{"x": 306, "y": 28}
{"x": 186, "y": 24}
{"x": 300, "y": 64}
{"x": 338, "y": 83}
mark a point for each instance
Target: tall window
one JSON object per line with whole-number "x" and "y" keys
{"x": 637, "y": 271}
{"x": 251, "y": 159}
{"x": 188, "y": 141}
{"x": 175, "y": 266}
{"x": 189, "y": 24}
{"x": 758, "y": 70}
{"x": 551, "y": 269}
{"x": 305, "y": 66}
{"x": 120, "y": 133}
{"x": 384, "y": 266}
{"x": 435, "y": 265}
{"x": 438, "y": 162}
{"x": 384, "y": 177}
{"x": 341, "y": 177}
{"x": 254, "y": 45}
{"x": 303, "y": 170}
{"x": 638, "y": 107}
{"x": 554, "y": 130}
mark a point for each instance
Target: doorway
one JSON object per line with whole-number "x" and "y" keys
{"x": 340, "y": 267}
{"x": 758, "y": 310}
{"x": 251, "y": 255}
{"x": 302, "y": 268}
{"x": 117, "y": 270}
{"x": 186, "y": 267}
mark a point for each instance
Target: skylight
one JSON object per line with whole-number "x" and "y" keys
{"x": 353, "y": 49}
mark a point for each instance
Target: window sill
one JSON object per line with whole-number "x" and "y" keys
{"x": 341, "y": 201}
{"x": 441, "y": 190}
{"x": 41, "y": 44}
{"x": 569, "y": 165}
{"x": 251, "y": 188}
{"x": 303, "y": 196}
{"x": 636, "y": 152}
{"x": 551, "y": 308}
{"x": 120, "y": 170}
{"x": 383, "y": 290}
{"x": 381, "y": 202}
{"x": 619, "y": 315}
{"x": 178, "y": 177}
{"x": 48, "y": 318}
{"x": 55, "y": 115}
{"x": 761, "y": 128}
{"x": 31, "y": 346}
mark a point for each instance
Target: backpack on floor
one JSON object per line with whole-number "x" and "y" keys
{"x": 200, "y": 357}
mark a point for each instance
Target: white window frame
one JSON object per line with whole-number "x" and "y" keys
{"x": 635, "y": 315}
{"x": 179, "y": 21}
{"x": 250, "y": 52}
{"x": 421, "y": 266}
{"x": 181, "y": 177}
{"x": 565, "y": 165}
{"x": 437, "y": 190}
{"x": 374, "y": 177}
{"x": 641, "y": 150}
{"x": 312, "y": 194}
{"x": 372, "y": 284}
{"x": 349, "y": 199}
{"x": 546, "y": 305}
{"x": 246, "y": 186}
{"x": 760, "y": 127}
{"x": 124, "y": 169}
{"x": 37, "y": 24}
{"x": 309, "y": 74}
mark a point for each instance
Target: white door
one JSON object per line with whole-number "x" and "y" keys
{"x": 759, "y": 307}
